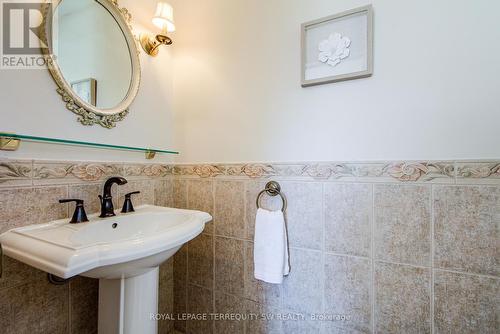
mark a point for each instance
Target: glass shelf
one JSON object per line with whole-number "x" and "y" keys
{"x": 10, "y": 142}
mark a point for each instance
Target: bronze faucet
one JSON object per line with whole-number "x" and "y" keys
{"x": 107, "y": 209}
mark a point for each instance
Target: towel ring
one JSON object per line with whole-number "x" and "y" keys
{"x": 273, "y": 188}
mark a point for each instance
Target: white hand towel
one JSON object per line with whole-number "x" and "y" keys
{"x": 270, "y": 254}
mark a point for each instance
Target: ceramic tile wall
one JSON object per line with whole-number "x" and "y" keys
{"x": 395, "y": 247}
{"x": 29, "y": 194}
{"x": 398, "y": 254}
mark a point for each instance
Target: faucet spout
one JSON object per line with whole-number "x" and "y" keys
{"x": 109, "y": 183}
{"x": 107, "y": 209}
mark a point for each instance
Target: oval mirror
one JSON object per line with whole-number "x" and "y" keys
{"x": 93, "y": 58}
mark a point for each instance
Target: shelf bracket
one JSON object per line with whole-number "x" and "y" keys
{"x": 150, "y": 155}
{"x": 9, "y": 144}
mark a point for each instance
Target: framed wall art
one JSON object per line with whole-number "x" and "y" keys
{"x": 338, "y": 47}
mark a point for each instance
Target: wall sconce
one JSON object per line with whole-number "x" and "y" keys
{"x": 163, "y": 19}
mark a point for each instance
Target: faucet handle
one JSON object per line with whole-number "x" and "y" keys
{"x": 79, "y": 216}
{"x": 127, "y": 204}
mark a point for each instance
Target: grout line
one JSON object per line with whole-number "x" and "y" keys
{"x": 404, "y": 264}
{"x": 32, "y": 173}
{"x": 245, "y": 250}
{"x": 68, "y": 212}
{"x": 432, "y": 261}
{"x": 349, "y": 255}
{"x": 323, "y": 256}
{"x": 201, "y": 286}
{"x": 70, "y": 315}
{"x": 230, "y": 237}
{"x": 467, "y": 273}
{"x": 212, "y": 187}
{"x": 455, "y": 172}
{"x": 245, "y": 210}
{"x": 186, "y": 283}
{"x": 372, "y": 264}
{"x": 308, "y": 249}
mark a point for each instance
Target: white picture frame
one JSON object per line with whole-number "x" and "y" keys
{"x": 86, "y": 89}
{"x": 338, "y": 47}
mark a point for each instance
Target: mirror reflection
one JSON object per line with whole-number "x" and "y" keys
{"x": 92, "y": 52}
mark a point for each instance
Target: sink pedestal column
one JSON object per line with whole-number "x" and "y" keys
{"x": 128, "y": 305}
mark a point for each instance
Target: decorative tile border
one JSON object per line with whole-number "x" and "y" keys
{"x": 479, "y": 170}
{"x": 149, "y": 170}
{"x": 14, "y": 172}
{"x": 399, "y": 171}
{"x": 55, "y": 172}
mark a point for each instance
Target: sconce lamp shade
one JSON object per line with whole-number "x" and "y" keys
{"x": 164, "y": 17}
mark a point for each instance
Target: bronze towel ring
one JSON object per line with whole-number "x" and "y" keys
{"x": 273, "y": 188}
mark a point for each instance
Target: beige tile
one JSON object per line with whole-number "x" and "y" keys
{"x": 180, "y": 264}
{"x": 229, "y": 305}
{"x": 200, "y": 302}
{"x": 304, "y": 214}
{"x": 256, "y": 290}
{"x": 402, "y": 303}
{"x": 252, "y": 189}
{"x": 200, "y": 197}
{"x": 301, "y": 324}
{"x": 147, "y": 195}
{"x": 16, "y": 273}
{"x": 26, "y": 206}
{"x": 89, "y": 193}
{"x": 466, "y": 228}
{"x": 201, "y": 261}
{"x": 262, "y": 319}
{"x": 167, "y": 270}
{"x": 229, "y": 213}
{"x": 180, "y": 194}
{"x": 165, "y": 305}
{"x": 348, "y": 218}
{"x": 348, "y": 292}
{"x": 180, "y": 304}
{"x": 34, "y": 308}
{"x": 402, "y": 224}
{"x": 302, "y": 289}
{"x": 466, "y": 304}
{"x": 164, "y": 193}
{"x": 339, "y": 330}
{"x": 84, "y": 304}
{"x": 229, "y": 265}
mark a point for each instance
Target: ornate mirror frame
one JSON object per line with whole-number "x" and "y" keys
{"x": 87, "y": 113}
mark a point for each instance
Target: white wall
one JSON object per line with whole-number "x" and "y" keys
{"x": 434, "y": 93}
{"x": 30, "y": 105}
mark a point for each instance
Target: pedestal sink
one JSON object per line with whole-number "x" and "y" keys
{"x": 123, "y": 252}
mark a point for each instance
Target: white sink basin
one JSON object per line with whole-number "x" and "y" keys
{"x": 124, "y": 252}
{"x": 97, "y": 248}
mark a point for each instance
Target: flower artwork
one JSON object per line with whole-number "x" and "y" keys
{"x": 338, "y": 47}
{"x": 334, "y": 49}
